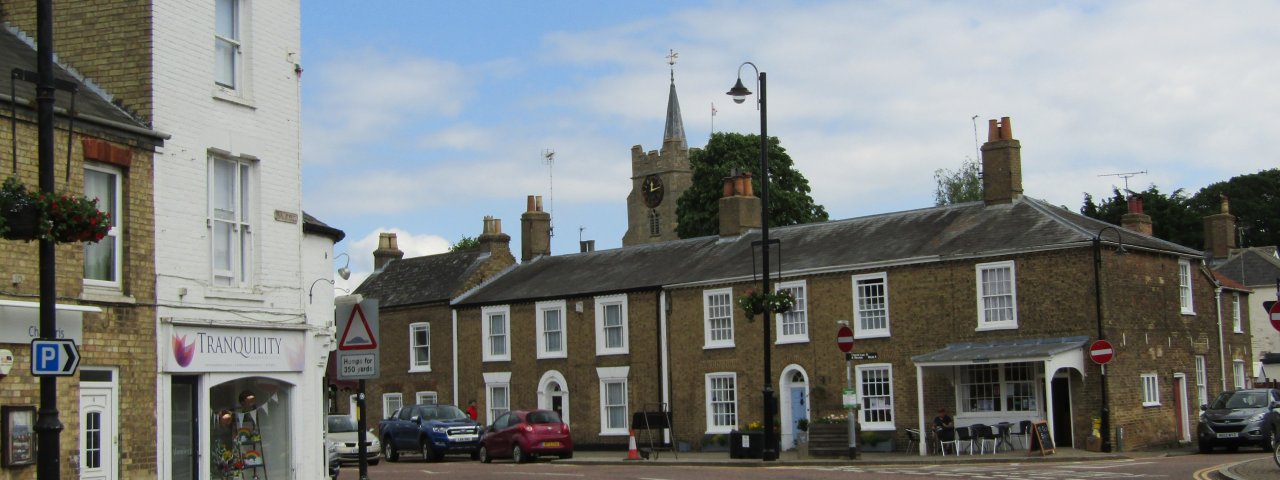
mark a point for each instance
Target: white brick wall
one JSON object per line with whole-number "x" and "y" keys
{"x": 265, "y": 125}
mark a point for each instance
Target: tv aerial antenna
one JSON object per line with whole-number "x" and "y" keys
{"x": 1126, "y": 176}
{"x": 549, "y": 159}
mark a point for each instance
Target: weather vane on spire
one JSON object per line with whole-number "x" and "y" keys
{"x": 671, "y": 60}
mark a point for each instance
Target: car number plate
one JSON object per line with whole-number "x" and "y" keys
{"x": 551, "y": 444}
{"x": 465, "y": 438}
{"x": 1228, "y": 435}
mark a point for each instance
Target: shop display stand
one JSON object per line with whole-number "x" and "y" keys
{"x": 240, "y": 454}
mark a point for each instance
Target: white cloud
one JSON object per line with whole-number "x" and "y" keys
{"x": 361, "y": 251}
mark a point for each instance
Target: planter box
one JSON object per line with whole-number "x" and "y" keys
{"x": 828, "y": 440}
{"x": 748, "y": 444}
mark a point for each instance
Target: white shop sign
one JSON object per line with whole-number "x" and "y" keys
{"x": 20, "y": 321}
{"x": 216, "y": 349}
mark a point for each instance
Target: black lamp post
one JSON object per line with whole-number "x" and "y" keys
{"x": 1097, "y": 300}
{"x": 739, "y": 94}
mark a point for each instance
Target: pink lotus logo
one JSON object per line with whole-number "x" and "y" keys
{"x": 183, "y": 351}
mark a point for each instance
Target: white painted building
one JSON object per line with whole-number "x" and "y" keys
{"x": 242, "y": 340}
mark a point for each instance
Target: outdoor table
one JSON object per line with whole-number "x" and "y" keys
{"x": 1002, "y": 431}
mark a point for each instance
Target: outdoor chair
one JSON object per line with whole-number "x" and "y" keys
{"x": 948, "y": 437}
{"x": 985, "y": 434}
{"x": 1024, "y": 428}
{"x": 913, "y": 439}
{"x": 964, "y": 436}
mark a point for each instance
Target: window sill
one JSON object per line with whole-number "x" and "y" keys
{"x": 604, "y": 353}
{"x": 230, "y": 96}
{"x": 614, "y": 433}
{"x": 420, "y": 369}
{"x": 496, "y": 359}
{"x": 717, "y": 346}
{"x": 1188, "y": 312}
{"x": 229, "y": 294}
{"x": 720, "y": 430}
{"x": 876, "y": 334}
{"x": 792, "y": 340}
{"x": 1150, "y": 405}
{"x": 1000, "y": 326}
{"x": 105, "y": 295}
{"x": 551, "y": 355}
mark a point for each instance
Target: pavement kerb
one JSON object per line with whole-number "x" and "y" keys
{"x": 864, "y": 461}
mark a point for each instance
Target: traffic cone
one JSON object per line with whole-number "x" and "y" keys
{"x": 633, "y": 453}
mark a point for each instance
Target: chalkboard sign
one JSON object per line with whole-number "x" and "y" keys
{"x": 1040, "y": 438}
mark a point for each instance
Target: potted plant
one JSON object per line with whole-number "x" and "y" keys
{"x": 33, "y": 215}
{"x": 755, "y": 302}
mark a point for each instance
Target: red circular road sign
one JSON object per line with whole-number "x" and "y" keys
{"x": 844, "y": 338}
{"x": 1101, "y": 352}
{"x": 1275, "y": 315}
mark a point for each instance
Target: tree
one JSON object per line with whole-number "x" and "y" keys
{"x": 465, "y": 243}
{"x": 1171, "y": 219}
{"x": 698, "y": 209}
{"x": 961, "y": 185}
{"x": 1255, "y": 202}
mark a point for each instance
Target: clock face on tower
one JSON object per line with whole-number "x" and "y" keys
{"x": 651, "y": 191}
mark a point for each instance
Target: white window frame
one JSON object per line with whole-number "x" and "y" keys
{"x": 542, "y": 308}
{"x": 601, "y": 303}
{"x": 1150, "y": 390}
{"x": 390, "y": 403}
{"x": 1237, "y": 324}
{"x": 1004, "y": 385}
{"x": 730, "y": 418}
{"x": 497, "y": 395}
{"x": 1202, "y": 390}
{"x": 426, "y": 398}
{"x": 232, "y": 40}
{"x": 240, "y": 225}
{"x": 1186, "y": 298}
{"x": 860, "y": 331}
{"x": 717, "y": 306}
{"x": 1237, "y": 374}
{"x": 864, "y": 416}
{"x": 983, "y": 322}
{"x": 415, "y": 363}
{"x": 115, "y": 234}
{"x": 798, "y": 317}
{"x": 487, "y": 343}
{"x": 612, "y": 376}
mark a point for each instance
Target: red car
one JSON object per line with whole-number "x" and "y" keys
{"x": 525, "y": 434}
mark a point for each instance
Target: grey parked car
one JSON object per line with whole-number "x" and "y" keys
{"x": 1240, "y": 418}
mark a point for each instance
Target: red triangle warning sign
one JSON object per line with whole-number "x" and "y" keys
{"x": 362, "y": 338}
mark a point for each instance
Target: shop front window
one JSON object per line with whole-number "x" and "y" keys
{"x": 250, "y": 434}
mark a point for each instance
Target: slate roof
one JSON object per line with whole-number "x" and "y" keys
{"x": 312, "y": 224}
{"x": 91, "y": 102}
{"x": 1015, "y": 349}
{"x": 1252, "y": 267}
{"x": 914, "y": 236}
{"x": 418, "y": 280}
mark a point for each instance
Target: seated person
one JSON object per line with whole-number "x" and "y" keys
{"x": 944, "y": 426}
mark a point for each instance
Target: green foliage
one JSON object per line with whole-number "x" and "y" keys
{"x": 1254, "y": 199}
{"x": 465, "y": 243}
{"x": 789, "y": 201}
{"x": 958, "y": 186}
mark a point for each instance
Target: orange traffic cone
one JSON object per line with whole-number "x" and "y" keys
{"x": 633, "y": 453}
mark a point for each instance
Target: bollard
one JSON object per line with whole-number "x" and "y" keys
{"x": 1119, "y": 439}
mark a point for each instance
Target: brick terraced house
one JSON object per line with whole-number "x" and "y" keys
{"x": 986, "y": 308}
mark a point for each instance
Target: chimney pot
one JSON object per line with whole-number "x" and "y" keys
{"x": 728, "y": 187}
{"x": 746, "y": 185}
{"x": 529, "y": 204}
{"x": 538, "y": 203}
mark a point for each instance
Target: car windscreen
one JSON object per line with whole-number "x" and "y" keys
{"x": 444, "y": 412}
{"x": 1239, "y": 400}
{"x": 341, "y": 423}
{"x": 543, "y": 417}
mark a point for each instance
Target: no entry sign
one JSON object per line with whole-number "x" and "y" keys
{"x": 844, "y": 338}
{"x": 1101, "y": 352}
{"x": 1275, "y": 315}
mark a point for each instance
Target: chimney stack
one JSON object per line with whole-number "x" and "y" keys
{"x": 739, "y": 207}
{"x": 535, "y": 230}
{"x": 1001, "y": 164}
{"x": 587, "y": 246}
{"x": 1136, "y": 220}
{"x": 492, "y": 239}
{"x": 1220, "y": 232}
{"x": 388, "y": 250}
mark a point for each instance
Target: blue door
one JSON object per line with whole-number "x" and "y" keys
{"x": 799, "y": 408}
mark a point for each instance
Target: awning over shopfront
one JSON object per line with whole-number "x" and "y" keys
{"x": 1063, "y": 351}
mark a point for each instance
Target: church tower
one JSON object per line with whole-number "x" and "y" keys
{"x": 658, "y": 178}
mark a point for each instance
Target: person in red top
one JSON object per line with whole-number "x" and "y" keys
{"x": 471, "y": 411}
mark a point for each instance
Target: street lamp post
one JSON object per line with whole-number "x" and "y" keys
{"x": 1097, "y": 300}
{"x": 739, "y": 94}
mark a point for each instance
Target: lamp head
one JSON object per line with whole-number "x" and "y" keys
{"x": 739, "y": 92}
{"x": 344, "y": 271}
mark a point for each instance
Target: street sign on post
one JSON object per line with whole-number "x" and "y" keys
{"x": 1275, "y": 315}
{"x": 844, "y": 338}
{"x": 359, "y": 357}
{"x": 54, "y": 358}
{"x": 1101, "y": 352}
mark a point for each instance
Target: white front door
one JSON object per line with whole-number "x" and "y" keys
{"x": 99, "y": 454}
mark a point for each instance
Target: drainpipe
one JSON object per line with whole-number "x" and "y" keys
{"x": 454, "y": 314}
{"x": 664, "y": 308}
{"x": 1222, "y": 354}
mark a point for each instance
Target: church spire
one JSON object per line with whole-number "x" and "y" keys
{"x": 674, "y": 132}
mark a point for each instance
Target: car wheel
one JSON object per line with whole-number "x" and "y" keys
{"x": 427, "y": 454}
{"x": 389, "y": 451}
{"x": 1266, "y": 441}
{"x": 518, "y": 454}
{"x": 484, "y": 455}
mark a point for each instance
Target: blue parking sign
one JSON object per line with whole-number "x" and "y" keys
{"x": 54, "y": 358}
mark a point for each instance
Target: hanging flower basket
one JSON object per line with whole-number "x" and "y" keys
{"x": 756, "y": 302}
{"x": 65, "y": 218}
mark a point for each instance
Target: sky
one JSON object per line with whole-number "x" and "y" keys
{"x": 423, "y": 117}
